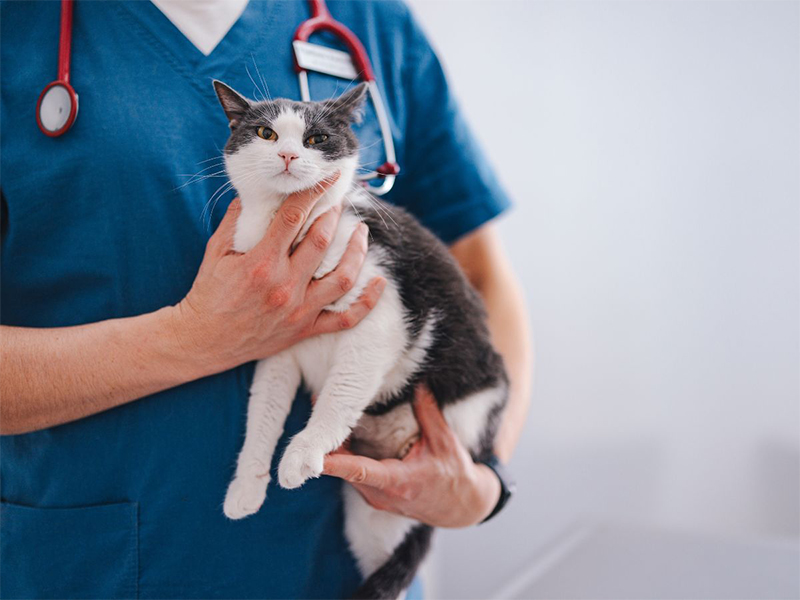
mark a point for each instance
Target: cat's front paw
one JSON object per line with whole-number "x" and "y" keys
{"x": 300, "y": 462}
{"x": 245, "y": 496}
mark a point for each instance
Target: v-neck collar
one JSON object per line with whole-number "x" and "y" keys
{"x": 184, "y": 55}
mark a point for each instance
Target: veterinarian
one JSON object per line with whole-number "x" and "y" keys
{"x": 128, "y": 336}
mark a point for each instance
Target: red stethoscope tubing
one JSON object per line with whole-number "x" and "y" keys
{"x": 64, "y": 48}
{"x": 321, "y": 20}
{"x": 65, "y": 41}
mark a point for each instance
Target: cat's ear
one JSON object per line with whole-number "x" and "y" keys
{"x": 233, "y": 103}
{"x": 350, "y": 105}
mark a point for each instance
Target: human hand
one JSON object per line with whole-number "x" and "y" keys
{"x": 245, "y": 307}
{"x": 436, "y": 483}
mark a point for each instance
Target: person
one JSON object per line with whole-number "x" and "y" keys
{"x": 129, "y": 331}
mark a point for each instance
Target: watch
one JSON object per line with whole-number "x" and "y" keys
{"x": 507, "y": 484}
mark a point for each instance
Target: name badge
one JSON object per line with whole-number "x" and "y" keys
{"x": 314, "y": 57}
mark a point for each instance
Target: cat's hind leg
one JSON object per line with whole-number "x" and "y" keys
{"x": 274, "y": 386}
{"x": 372, "y": 534}
{"x": 389, "y": 548}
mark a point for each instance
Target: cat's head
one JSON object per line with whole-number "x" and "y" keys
{"x": 282, "y": 146}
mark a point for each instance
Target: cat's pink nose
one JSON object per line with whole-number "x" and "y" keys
{"x": 287, "y": 157}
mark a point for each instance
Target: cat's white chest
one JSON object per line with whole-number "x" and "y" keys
{"x": 252, "y": 225}
{"x": 256, "y": 218}
{"x": 382, "y": 332}
{"x": 315, "y": 357}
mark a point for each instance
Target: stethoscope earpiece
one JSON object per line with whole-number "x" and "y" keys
{"x": 58, "y": 103}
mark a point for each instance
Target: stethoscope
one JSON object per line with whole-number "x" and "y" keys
{"x": 321, "y": 20}
{"x": 57, "y": 107}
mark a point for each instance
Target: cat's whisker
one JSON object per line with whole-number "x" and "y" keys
{"x": 198, "y": 178}
{"x": 255, "y": 85}
{"x": 201, "y": 175}
{"x": 375, "y": 143}
{"x": 225, "y": 187}
{"x": 219, "y": 161}
{"x": 359, "y": 217}
{"x": 381, "y": 210}
{"x": 221, "y": 191}
{"x": 380, "y": 214}
{"x": 219, "y": 156}
{"x": 263, "y": 81}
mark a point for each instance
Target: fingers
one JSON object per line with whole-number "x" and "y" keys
{"x": 358, "y": 469}
{"x": 222, "y": 240}
{"x": 434, "y": 427}
{"x": 331, "y": 322}
{"x": 311, "y": 251}
{"x": 290, "y": 218}
{"x": 341, "y": 280}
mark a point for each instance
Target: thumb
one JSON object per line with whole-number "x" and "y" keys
{"x": 221, "y": 241}
{"x": 357, "y": 469}
{"x": 435, "y": 429}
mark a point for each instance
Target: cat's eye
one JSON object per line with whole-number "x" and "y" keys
{"x": 316, "y": 139}
{"x": 267, "y": 134}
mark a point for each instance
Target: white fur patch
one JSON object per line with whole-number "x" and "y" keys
{"x": 382, "y": 332}
{"x": 373, "y": 534}
{"x": 346, "y": 370}
{"x": 467, "y": 417}
{"x": 412, "y": 360}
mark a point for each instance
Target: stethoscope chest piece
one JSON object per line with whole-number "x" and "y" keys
{"x": 57, "y": 108}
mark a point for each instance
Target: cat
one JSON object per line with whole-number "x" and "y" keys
{"x": 429, "y": 327}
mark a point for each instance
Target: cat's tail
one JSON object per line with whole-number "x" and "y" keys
{"x": 397, "y": 573}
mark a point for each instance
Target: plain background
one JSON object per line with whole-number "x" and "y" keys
{"x": 653, "y": 152}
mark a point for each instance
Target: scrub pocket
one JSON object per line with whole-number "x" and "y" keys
{"x": 87, "y": 552}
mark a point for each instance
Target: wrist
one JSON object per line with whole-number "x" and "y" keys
{"x": 188, "y": 341}
{"x": 488, "y": 490}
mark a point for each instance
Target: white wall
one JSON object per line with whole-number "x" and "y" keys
{"x": 653, "y": 152}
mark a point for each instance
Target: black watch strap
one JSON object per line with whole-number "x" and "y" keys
{"x": 507, "y": 484}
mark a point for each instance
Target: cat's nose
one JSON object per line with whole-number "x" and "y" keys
{"x": 287, "y": 157}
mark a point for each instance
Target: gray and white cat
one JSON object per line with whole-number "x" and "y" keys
{"x": 429, "y": 327}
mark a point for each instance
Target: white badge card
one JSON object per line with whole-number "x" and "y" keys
{"x": 314, "y": 57}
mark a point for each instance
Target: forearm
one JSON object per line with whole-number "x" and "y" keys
{"x": 468, "y": 492}
{"x": 508, "y": 323}
{"x": 237, "y": 310}
{"x": 483, "y": 260}
{"x": 52, "y": 376}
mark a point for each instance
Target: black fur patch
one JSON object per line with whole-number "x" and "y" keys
{"x": 331, "y": 118}
{"x": 397, "y": 573}
{"x": 461, "y": 360}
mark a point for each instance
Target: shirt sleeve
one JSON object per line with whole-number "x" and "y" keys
{"x": 446, "y": 181}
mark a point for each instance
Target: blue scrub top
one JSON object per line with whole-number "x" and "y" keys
{"x": 98, "y": 224}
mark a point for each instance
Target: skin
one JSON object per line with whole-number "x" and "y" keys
{"x": 241, "y": 307}
{"x": 437, "y": 483}
{"x": 245, "y": 307}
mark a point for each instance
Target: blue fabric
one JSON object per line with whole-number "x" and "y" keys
{"x": 415, "y": 590}
{"x": 98, "y": 224}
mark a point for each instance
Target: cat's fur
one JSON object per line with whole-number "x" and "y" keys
{"x": 428, "y": 327}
